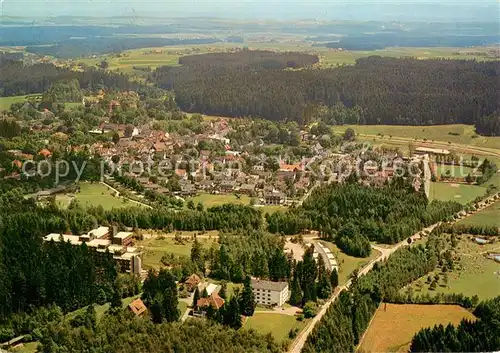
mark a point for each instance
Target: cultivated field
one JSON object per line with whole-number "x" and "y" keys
{"x": 462, "y": 193}
{"x": 155, "y": 248}
{"x": 279, "y": 325}
{"x": 394, "y": 325}
{"x": 473, "y": 273}
{"x": 455, "y": 171}
{"x": 347, "y": 264}
{"x": 489, "y": 216}
{"x": 154, "y": 57}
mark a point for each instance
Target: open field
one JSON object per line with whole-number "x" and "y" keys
{"x": 392, "y": 329}
{"x": 154, "y": 249}
{"x": 489, "y": 216}
{"x": 279, "y": 325}
{"x": 210, "y": 200}
{"x": 5, "y": 102}
{"x": 462, "y": 193}
{"x": 154, "y": 57}
{"x": 473, "y": 273}
{"x": 460, "y": 134}
{"x": 95, "y": 195}
{"x": 347, "y": 264}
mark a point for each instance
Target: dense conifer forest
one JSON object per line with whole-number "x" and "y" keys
{"x": 385, "y": 90}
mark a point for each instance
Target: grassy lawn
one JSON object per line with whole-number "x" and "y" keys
{"x": 461, "y": 134}
{"x": 211, "y": 200}
{"x": 456, "y": 171}
{"x": 403, "y": 321}
{"x": 473, "y": 273}
{"x": 347, "y": 264}
{"x": 154, "y": 249}
{"x": 95, "y": 195}
{"x": 455, "y": 192}
{"x": 489, "y": 216}
{"x": 277, "y": 324}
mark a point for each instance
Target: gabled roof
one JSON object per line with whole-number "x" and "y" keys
{"x": 193, "y": 280}
{"x": 213, "y": 300}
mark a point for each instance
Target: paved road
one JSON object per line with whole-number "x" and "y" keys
{"x": 118, "y": 194}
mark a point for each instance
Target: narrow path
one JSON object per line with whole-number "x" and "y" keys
{"x": 117, "y": 194}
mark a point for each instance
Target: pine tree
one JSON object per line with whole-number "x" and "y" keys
{"x": 334, "y": 278}
{"x": 223, "y": 290}
{"x": 232, "y": 315}
{"x": 197, "y": 255}
{"x": 116, "y": 298}
{"x": 247, "y": 298}
{"x": 196, "y": 296}
{"x": 204, "y": 293}
{"x": 296, "y": 292}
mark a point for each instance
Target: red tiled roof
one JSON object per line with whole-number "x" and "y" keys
{"x": 137, "y": 307}
{"x": 213, "y": 300}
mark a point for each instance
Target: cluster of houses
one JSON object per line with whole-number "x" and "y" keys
{"x": 154, "y": 156}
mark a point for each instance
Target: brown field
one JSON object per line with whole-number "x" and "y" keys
{"x": 393, "y": 329}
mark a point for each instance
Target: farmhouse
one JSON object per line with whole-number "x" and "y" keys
{"x": 192, "y": 282}
{"x": 270, "y": 293}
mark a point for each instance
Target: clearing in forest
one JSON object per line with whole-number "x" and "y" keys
{"x": 394, "y": 325}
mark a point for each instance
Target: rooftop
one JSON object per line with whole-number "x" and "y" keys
{"x": 268, "y": 285}
{"x": 99, "y": 232}
{"x": 123, "y": 235}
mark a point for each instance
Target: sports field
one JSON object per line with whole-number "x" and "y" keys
{"x": 473, "y": 273}
{"x": 394, "y": 325}
{"x": 461, "y": 193}
{"x": 490, "y": 216}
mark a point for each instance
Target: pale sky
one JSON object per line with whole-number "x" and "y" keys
{"x": 271, "y": 9}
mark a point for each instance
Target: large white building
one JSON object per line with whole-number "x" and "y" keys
{"x": 270, "y": 293}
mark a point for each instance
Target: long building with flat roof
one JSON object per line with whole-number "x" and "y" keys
{"x": 127, "y": 259}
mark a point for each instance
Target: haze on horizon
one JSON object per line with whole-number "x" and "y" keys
{"x": 358, "y": 10}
